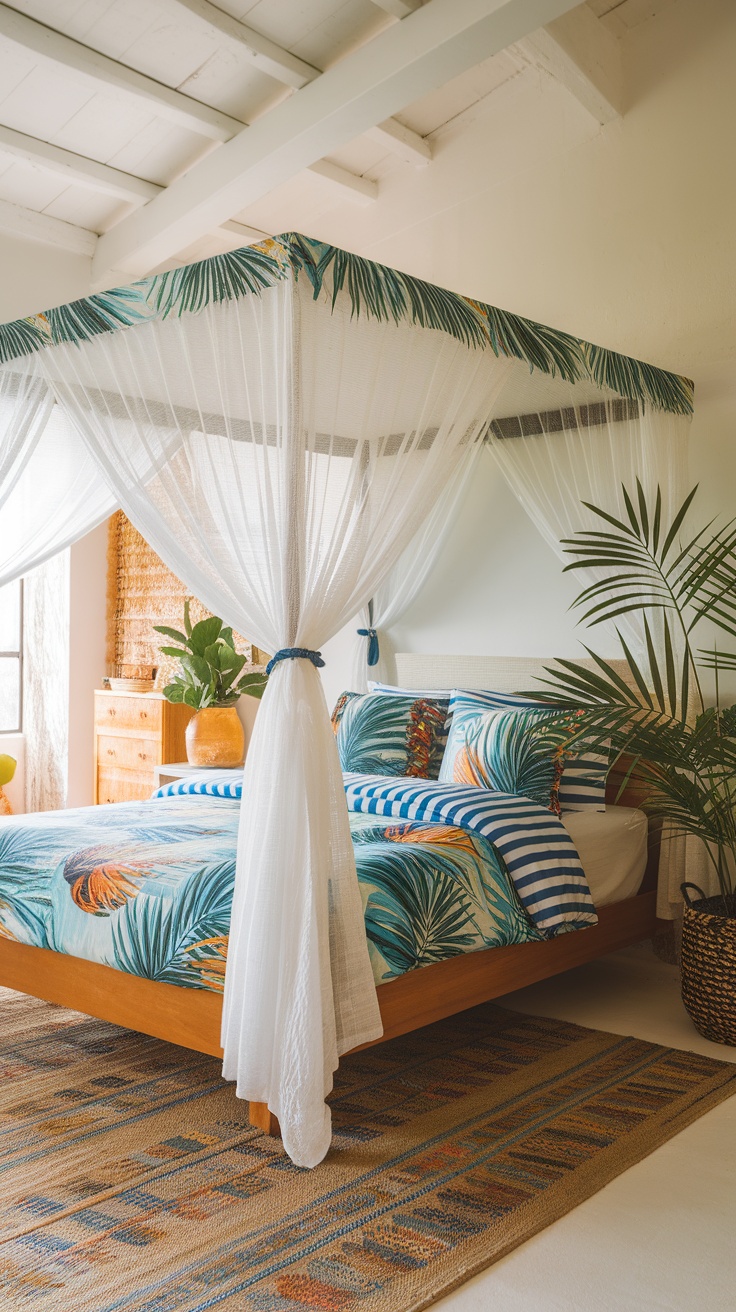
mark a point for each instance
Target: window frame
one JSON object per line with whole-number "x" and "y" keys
{"x": 17, "y": 655}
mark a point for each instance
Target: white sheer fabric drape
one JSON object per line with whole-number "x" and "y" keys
{"x": 51, "y": 488}
{"x": 572, "y": 453}
{"x": 280, "y": 457}
{"x": 46, "y": 683}
{"x": 405, "y": 581}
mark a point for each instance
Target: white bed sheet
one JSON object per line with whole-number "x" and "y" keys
{"x": 612, "y": 845}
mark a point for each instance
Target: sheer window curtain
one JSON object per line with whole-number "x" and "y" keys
{"x": 46, "y": 683}
{"x": 280, "y": 456}
{"x": 555, "y": 456}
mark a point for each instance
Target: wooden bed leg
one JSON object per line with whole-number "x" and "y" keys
{"x": 264, "y": 1119}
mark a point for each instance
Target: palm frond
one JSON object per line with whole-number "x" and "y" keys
{"x": 22, "y": 337}
{"x": 79, "y": 321}
{"x": 153, "y": 937}
{"x": 221, "y": 278}
{"x": 638, "y": 381}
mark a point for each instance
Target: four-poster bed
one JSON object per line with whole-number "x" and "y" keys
{"x": 280, "y": 424}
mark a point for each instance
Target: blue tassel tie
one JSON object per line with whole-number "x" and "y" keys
{"x": 374, "y": 650}
{"x": 295, "y": 654}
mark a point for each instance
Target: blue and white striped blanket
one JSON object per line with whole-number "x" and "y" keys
{"x": 536, "y": 849}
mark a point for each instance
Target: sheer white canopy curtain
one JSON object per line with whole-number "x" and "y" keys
{"x": 559, "y": 449}
{"x": 280, "y": 456}
{"x": 406, "y": 579}
{"x": 51, "y": 488}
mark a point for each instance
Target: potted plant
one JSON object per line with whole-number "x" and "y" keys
{"x": 681, "y": 581}
{"x": 209, "y": 682}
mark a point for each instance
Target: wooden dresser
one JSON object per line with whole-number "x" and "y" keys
{"x": 135, "y": 732}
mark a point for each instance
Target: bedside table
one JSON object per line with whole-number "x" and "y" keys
{"x": 173, "y": 770}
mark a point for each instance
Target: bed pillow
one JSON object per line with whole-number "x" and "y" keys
{"x": 516, "y": 751}
{"x": 391, "y": 735}
{"x": 582, "y": 786}
{"x": 390, "y": 690}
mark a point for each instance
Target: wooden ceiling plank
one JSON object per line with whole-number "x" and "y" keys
{"x": 76, "y": 168}
{"x": 17, "y": 221}
{"x": 360, "y": 190}
{"x": 584, "y": 55}
{"x": 266, "y": 55}
{"x": 402, "y": 141}
{"x": 407, "y": 60}
{"x": 111, "y": 77}
{"x": 399, "y": 8}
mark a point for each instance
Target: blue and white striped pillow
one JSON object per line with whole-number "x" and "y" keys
{"x": 583, "y": 783}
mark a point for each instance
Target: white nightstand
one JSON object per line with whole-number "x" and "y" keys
{"x": 172, "y": 770}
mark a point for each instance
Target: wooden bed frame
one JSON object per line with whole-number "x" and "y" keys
{"x": 191, "y": 1017}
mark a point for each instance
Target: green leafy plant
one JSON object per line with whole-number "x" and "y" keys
{"x": 679, "y": 580}
{"x": 210, "y": 665}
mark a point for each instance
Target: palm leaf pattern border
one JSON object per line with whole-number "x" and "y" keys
{"x": 374, "y": 290}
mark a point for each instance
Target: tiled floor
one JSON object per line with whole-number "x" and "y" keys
{"x": 662, "y": 1236}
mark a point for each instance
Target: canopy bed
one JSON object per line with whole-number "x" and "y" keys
{"x": 281, "y": 424}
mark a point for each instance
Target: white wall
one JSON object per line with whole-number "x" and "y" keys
{"x": 625, "y": 235}
{"x": 87, "y": 612}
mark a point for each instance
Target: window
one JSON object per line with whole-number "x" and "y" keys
{"x": 11, "y": 657}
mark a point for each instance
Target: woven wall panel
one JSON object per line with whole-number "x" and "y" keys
{"x": 141, "y": 592}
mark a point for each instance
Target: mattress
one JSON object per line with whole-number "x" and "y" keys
{"x": 613, "y": 850}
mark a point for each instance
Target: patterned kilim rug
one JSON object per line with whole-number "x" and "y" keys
{"x": 131, "y": 1179}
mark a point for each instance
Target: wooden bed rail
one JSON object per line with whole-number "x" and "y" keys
{"x": 192, "y": 1017}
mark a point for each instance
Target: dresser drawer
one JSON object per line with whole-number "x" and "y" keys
{"x": 123, "y": 786}
{"x": 129, "y": 714}
{"x": 123, "y": 752}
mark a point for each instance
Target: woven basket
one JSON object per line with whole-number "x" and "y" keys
{"x": 708, "y": 966}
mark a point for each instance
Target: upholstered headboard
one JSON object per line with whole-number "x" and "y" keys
{"x": 501, "y": 673}
{"x": 507, "y": 674}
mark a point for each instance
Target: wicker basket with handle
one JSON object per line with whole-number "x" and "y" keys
{"x": 709, "y": 965}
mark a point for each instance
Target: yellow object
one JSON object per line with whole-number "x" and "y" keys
{"x": 7, "y": 769}
{"x": 215, "y": 737}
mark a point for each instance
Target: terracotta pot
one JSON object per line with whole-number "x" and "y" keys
{"x": 215, "y": 737}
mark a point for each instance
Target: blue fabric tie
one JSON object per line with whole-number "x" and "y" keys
{"x": 373, "y": 649}
{"x": 295, "y": 654}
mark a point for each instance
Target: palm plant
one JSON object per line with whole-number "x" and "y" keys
{"x": 679, "y": 580}
{"x": 210, "y": 665}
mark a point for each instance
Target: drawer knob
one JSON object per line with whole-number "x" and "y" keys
{"x": 111, "y": 710}
{"x": 111, "y": 751}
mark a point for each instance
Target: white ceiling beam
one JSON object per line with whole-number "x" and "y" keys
{"x": 584, "y": 55}
{"x": 404, "y": 62}
{"x": 76, "y": 169}
{"x": 104, "y": 179}
{"x": 17, "y": 221}
{"x": 403, "y": 141}
{"x": 360, "y": 190}
{"x": 399, "y": 8}
{"x": 293, "y": 72}
{"x": 111, "y": 77}
{"x": 264, "y": 54}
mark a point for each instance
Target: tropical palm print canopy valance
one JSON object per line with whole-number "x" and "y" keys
{"x": 374, "y": 290}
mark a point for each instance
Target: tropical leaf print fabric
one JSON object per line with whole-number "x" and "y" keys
{"x": 511, "y": 752}
{"x": 582, "y": 781}
{"x": 390, "y": 735}
{"x": 432, "y": 892}
{"x": 146, "y": 887}
{"x": 375, "y": 291}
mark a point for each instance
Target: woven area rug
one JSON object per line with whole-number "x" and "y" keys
{"x": 132, "y": 1181}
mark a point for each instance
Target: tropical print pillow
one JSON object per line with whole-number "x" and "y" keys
{"x": 517, "y": 752}
{"x": 583, "y": 784}
{"x": 390, "y": 735}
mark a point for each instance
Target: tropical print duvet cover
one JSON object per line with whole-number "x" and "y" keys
{"x": 146, "y": 887}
